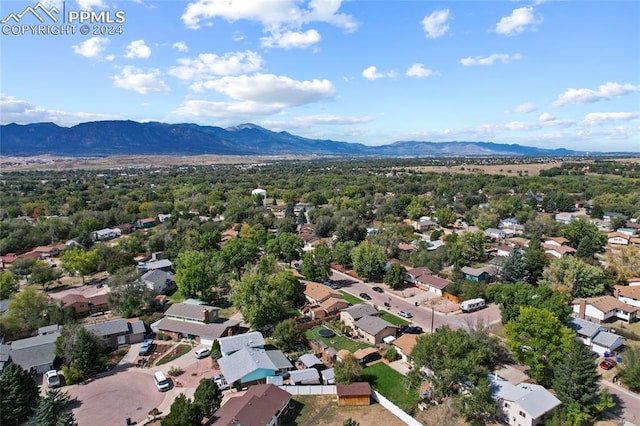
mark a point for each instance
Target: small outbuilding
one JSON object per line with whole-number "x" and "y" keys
{"x": 358, "y": 393}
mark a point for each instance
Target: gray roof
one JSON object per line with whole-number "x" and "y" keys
{"x": 189, "y": 311}
{"x": 309, "y": 360}
{"x": 234, "y": 343}
{"x": 34, "y": 351}
{"x": 158, "y": 264}
{"x": 212, "y": 330}
{"x": 157, "y": 276}
{"x": 533, "y": 399}
{"x": 308, "y": 375}
{"x": 47, "y": 329}
{"x": 245, "y": 361}
{"x": 279, "y": 360}
{"x": 373, "y": 325}
{"x": 137, "y": 327}
{"x": 583, "y": 327}
{"x": 109, "y": 328}
{"x": 607, "y": 340}
{"x": 329, "y": 375}
{"x": 360, "y": 310}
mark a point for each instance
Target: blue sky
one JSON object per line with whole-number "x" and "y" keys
{"x": 541, "y": 73}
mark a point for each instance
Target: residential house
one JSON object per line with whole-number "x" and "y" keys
{"x": 565, "y": 217}
{"x": 119, "y": 332}
{"x": 310, "y": 361}
{"x": 484, "y": 274}
{"x": 595, "y": 336}
{"x": 231, "y": 344}
{"x": 158, "y": 281}
{"x": 434, "y": 283}
{"x": 105, "y": 234}
{"x": 197, "y": 322}
{"x": 323, "y": 301}
{"x": 519, "y": 241}
{"x": 628, "y": 294}
{"x": 504, "y": 251}
{"x": 404, "y": 345}
{"x": 618, "y": 238}
{"x": 609, "y": 216}
{"x": 125, "y": 228}
{"x": 49, "y": 251}
{"x": 253, "y": 365}
{"x": 353, "y": 313}
{"x": 35, "y": 354}
{"x": 523, "y": 405}
{"x": 367, "y": 355}
{"x": 557, "y": 241}
{"x": 558, "y": 251}
{"x": 162, "y": 264}
{"x": 406, "y": 248}
{"x": 603, "y": 308}
{"x": 495, "y": 234}
{"x": 414, "y": 275}
{"x": 261, "y": 405}
{"x": 83, "y": 306}
{"x": 7, "y": 260}
{"x": 424, "y": 225}
{"x": 629, "y": 231}
{"x": 358, "y": 393}
{"x": 163, "y": 217}
{"x": 510, "y": 223}
{"x": 374, "y": 329}
{"x": 308, "y": 376}
{"x": 145, "y": 223}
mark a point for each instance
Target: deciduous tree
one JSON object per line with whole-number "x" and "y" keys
{"x": 8, "y": 284}
{"x": 395, "y": 276}
{"x": 368, "y": 260}
{"x": 80, "y": 261}
{"x": 348, "y": 370}
{"x": 43, "y": 274}
{"x": 287, "y": 335}
{"x": 573, "y": 278}
{"x": 27, "y": 310}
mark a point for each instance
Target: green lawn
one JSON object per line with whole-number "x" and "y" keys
{"x": 391, "y": 385}
{"x": 395, "y": 320}
{"x": 336, "y": 342}
{"x": 350, "y": 298}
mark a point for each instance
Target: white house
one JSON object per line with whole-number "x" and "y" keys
{"x": 495, "y": 233}
{"x": 628, "y": 294}
{"x": 523, "y": 405}
{"x": 504, "y": 251}
{"x": 105, "y": 234}
{"x": 618, "y": 238}
{"x": 565, "y": 217}
{"x": 596, "y": 337}
{"x": 603, "y": 308}
{"x": 158, "y": 281}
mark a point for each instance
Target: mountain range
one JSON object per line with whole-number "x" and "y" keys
{"x": 106, "y": 138}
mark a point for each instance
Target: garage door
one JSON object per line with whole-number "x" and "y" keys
{"x": 208, "y": 341}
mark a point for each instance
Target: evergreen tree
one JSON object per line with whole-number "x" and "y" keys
{"x": 585, "y": 248}
{"x": 576, "y": 378}
{"x": 52, "y": 411}
{"x": 535, "y": 260}
{"x": 514, "y": 268}
{"x": 87, "y": 352}
{"x": 183, "y": 413}
{"x": 208, "y": 397}
{"x": 19, "y": 395}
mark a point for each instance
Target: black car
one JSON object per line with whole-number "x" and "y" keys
{"x": 365, "y": 296}
{"x": 414, "y": 329}
{"x": 378, "y": 289}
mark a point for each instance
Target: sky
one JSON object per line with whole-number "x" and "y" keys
{"x": 548, "y": 74}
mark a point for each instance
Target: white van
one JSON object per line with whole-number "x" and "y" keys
{"x": 472, "y": 305}
{"x": 162, "y": 383}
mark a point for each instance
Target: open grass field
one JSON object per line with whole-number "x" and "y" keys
{"x": 493, "y": 169}
{"x": 336, "y": 342}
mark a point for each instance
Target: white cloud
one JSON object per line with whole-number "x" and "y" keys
{"x": 132, "y": 78}
{"x": 226, "y": 110}
{"x": 209, "y": 65}
{"x": 597, "y": 118}
{"x": 545, "y": 120}
{"x": 22, "y": 112}
{"x": 525, "y": 108}
{"x": 545, "y": 116}
{"x": 517, "y": 22}
{"x": 371, "y": 73}
{"x": 91, "y": 4}
{"x": 92, "y": 47}
{"x": 237, "y": 36}
{"x": 419, "y": 71}
{"x": 436, "y": 25}
{"x": 606, "y": 91}
{"x": 270, "y": 89}
{"x": 331, "y": 119}
{"x": 272, "y": 14}
{"x": 291, "y": 39}
{"x": 180, "y": 46}
{"x": 137, "y": 49}
{"x": 489, "y": 60}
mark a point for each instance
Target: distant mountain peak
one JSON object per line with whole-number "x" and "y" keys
{"x": 244, "y": 126}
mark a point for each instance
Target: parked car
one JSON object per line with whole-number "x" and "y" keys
{"x": 221, "y": 382}
{"x": 365, "y": 296}
{"x": 52, "y": 378}
{"x": 146, "y": 348}
{"x": 202, "y": 353}
{"x": 607, "y": 364}
{"x": 414, "y": 329}
{"x": 405, "y": 314}
{"x": 378, "y": 289}
{"x": 403, "y": 327}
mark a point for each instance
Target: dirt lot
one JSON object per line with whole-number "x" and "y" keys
{"x": 494, "y": 169}
{"x": 323, "y": 411}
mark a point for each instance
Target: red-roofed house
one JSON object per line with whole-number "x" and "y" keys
{"x": 260, "y": 405}
{"x": 84, "y": 306}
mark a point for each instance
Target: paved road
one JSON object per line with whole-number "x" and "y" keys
{"x": 423, "y": 316}
{"x": 628, "y": 402}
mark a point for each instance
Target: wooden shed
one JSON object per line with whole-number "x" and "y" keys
{"x": 358, "y": 393}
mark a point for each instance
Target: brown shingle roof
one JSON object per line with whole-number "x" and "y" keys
{"x": 256, "y": 407}
{"x": 354, "y": 389}
{"x": 406, "y": 342}
{"x": 609, "y": 303}
{"x": 190, "y": 311}
{"x": 319, "y": 292}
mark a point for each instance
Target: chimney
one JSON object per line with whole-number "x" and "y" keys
{"x": 616, "y": 292}
{"x": 205, "y": 316}
{"x": 583, "y": 308}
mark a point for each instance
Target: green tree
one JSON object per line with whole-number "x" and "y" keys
{"x": 27, "y": 310}
{"x": 625, "y": 262}
{"x": 478, "y": 407}
{"x": 535, "y": 260}
{"x": 395, "y": 276}
{"x": 576, "y": 379}
{"x": 216, "y": 352}
{"x": 445, "y": 217}
{"x": 22, "y": 267}
{"x": 578, "y": 229}
{"x": 80, "y": 348}
{"x": 341, "y": 253}
{"x": 239, "y": 252}
{"x": 19, "y": 394}
{"x": 193, "y": 274}
{"x": 514, "y": 268}
{"x": 127, "y": 295}
{"x": 630, "y": 369}
{"x": 52, "y": 410}
{"x": 8, "y": 284}
{"x": 208, "y": 397}
{"x": 348, "y": 370}
{"x": 513, "y": 296}
{"x": 287, "y": 335}
{"x": 183, "y": 412}
{"x": 80, "y": 261}
{"x": 572, "y": 277}
{"x": 538, "y": 339}
{"x": 316, "y": 264}
{"x": 286, "y": 247}
{"x": 471, "y": 246}
{"x": 368, "y": 260}
{"x": 43, "y": 274}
